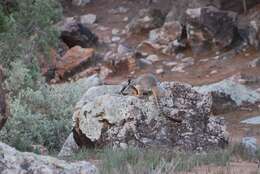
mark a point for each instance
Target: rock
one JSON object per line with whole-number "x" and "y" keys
{"x": 238, "y": 93}
{"x": 119, "y": 10}
{"x": 170, "y": 64}
{"x": 249, "y": 144}
{"x": 107, "y": 118}
{"x": 115, "y": 31}
{"x": 255, "y": 63}
{"x": 166, "y": 34}
{"x": 147, "y": 19}
{"x": 222, "y": 103}
{"x": 115, "y": 39}
{"x": 179, "y": 68}
{"x": 252, "y": 121}
{"x": 125, "y": 19}
{"x": 120, "y": 63}
{"x": 153, "y": 58}
{"x": 88, "y": 19}
{"x": 122, "y": 49}
{"x": 180, "y": 56}
{"x": 145, "y": 61}
{"x": 73, "y": 60}
{"x": 69, "y": 147}
{"x": 159, "y": 71}
{"x": 188, "y": 60}
{"x": 13, "y": 161}
{"x": 209, "y": 28}
{"x": 80, "y": 2}
{"x": 74, "y": 33}
{"x": 180, "y": 6}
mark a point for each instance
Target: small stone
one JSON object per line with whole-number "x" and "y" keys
{"x": 214, "y": 72}
{"x": 123, "y": 145}
{"x": 255, "y": 63}
{"x": 204, "y": 60}
{"x": 122, "y": 49}
{"x": 170, "y": 64}
{"x": 102, "y": 28}
{"x": 145, "y": 61}
{"x": 159, "y": 71}
{"x": 153, "y": 58}
{"x": 88, "y": 19}
{"x": 179, "y": 68}
{"x": 180, "y": 56}
{"x": 247, "y": 54}
{"x": 115, "y": 39}
{"x": 115, "y": 31}
{"x": 188, "y": 60}
{"x": 80, "y": 2}
{"x": 125, "y": 19}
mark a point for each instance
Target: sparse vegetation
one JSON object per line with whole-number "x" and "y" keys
{"x": 155, "y": 161}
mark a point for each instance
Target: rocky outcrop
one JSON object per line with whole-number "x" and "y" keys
{"x": 147, "y": 19}
{"x": 74, "y": 33}
{"x": 13, "y": 161}
{"x": 74, "y": 59}
{"x": 228, "y": 95}
{"x": 105, "y": 117}
{"x": 209, "y": 28}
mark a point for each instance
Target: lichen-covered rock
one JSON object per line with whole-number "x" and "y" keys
{"x": 105, "y": 117}
{"x": 147, "y": 19}
{"x": 13, "y": 161}
{"x": 238, "y": 93}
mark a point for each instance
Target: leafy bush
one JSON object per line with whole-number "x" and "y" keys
{"x": 40, "y": 116}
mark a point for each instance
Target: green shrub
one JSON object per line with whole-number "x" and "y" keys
{"x": 41, "y": 116}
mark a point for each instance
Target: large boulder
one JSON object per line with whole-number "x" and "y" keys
{"x": 13, "y": 161}
{"x": 238, "y": 93}
{"x": 147, "y": 19}
{"x": 209, "y": 27}
{"x": 75, "y": 59}
{"x": 74, "y": 33}
{"x": 104, "y": 117}
{"x": 228, "y": 95}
